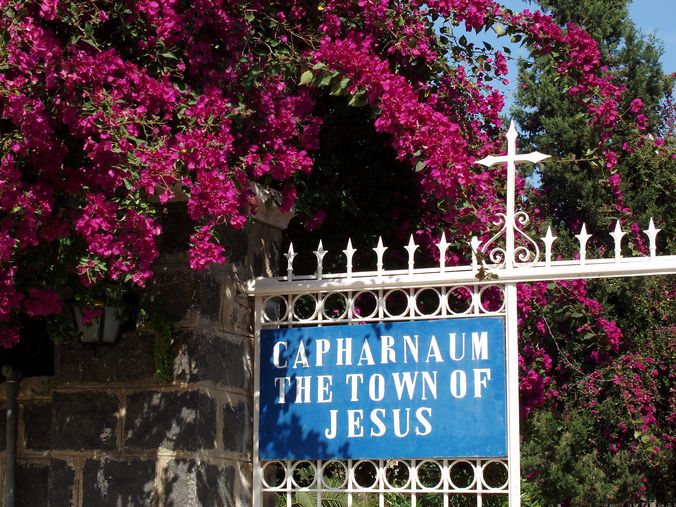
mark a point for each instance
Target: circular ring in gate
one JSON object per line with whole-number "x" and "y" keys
{"x": 495, "y": 474}
{"x": 274, "y": 475}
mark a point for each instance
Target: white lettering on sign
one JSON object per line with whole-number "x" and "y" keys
{"x": 458, "y": 383}
{"x": 344, "y": 352}
{"x": 408, "y": 348}
{"x": 301, "y": 357}
{"x": 387, "y": 352}
{"x": 277, "y": 353}
{"x": 481, "y": 378}
{"x": 428, "y": 361}
{"x": 480, "y": 346}
{"x": 379, "y": 421}
{"x": 324, "y": 394}
{"x": 323, "y": 346}
{"x": 376, "y": 387}
{"x": 366, "y": 356}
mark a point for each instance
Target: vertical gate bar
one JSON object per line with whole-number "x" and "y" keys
{"x": 257, "y": 476}
{"x": 318, "y": 482}
{"x": 289, "y": 314}
{"x": 414, "y": 482}
{"x": 446, "y": 483}
{"x": 443, "y": 302}
{"x": 349, "y": 311}
{"x": 512, "y": 339}
{"x": 350, "y": 482}
{"x": 479, "y": 482}
{"x": 289, "y": 484}
{"x": 319, "y": 307}
{"x": 381, "y": 483}
{"x": 512, "y": 332}
{"x": 511, "y": 196}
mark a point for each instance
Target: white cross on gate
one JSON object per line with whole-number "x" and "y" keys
{"x": 511, "y": 158}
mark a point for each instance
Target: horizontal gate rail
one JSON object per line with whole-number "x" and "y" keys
{"x": 465, "y": 275}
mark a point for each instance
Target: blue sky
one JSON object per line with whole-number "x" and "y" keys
{"x": 658, "y": 17}
{"x": 651, "y": 16}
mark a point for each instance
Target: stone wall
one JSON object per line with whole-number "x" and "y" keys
{"x": 105, "y": 431}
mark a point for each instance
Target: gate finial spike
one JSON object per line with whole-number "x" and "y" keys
{"x": 380, "y": 251}
{"x": 548, "y": 240}
{"x": 651, "y": 232}
{"x": 290, "y": 256}
{"x": 411, "y": 248}
{"x": 511, "y": 132}
{"x": 617, "y": 236}
{"x": 443, "y": 246}
{"x": 349, "y": 253}
{"x": 320, "y": 253}
{"x": 582, "y": 238}
{"x": 474, "y": 245}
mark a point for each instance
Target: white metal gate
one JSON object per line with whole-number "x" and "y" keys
{"x": 486, "y": 287}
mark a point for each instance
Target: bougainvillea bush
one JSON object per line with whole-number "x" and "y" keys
{"x": 110, "y": 109}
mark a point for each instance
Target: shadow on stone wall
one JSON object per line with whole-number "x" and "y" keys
{"x": 105, "y": 431}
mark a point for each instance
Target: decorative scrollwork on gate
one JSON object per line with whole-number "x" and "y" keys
{"x": 345, "y": 307}
{"x": 395, "y": 478}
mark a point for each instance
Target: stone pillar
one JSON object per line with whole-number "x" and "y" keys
{"x": 106, "y": 431}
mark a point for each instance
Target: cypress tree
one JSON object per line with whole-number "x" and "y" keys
{"x": 573, "y": 451}
{"x": 574, "y": 182}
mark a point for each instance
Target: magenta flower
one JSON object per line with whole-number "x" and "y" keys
{"x": 41, "y": 302}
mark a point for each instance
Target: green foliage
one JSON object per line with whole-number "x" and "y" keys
{"x": 161, "y": 329}
{"x": 329, "y": 499}
{"x": 530, "y": 495}
{"x": 560, "y": 458}
{"x": 602, "y": 439}
{"x": 575, "y": 179}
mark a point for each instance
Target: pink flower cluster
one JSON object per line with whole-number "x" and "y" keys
{"x": 577, "y": 289}
{"x": 110, "y": 116}
{"x": 99, "y": 132}
{"x": 41, "y": 302}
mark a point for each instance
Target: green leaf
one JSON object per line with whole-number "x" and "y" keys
{"x": 358, "y": 99}
{"x": 306, "y": 78}
{"x": 339, "y": 88}
{"x": 420, "y": 166}
{"x": 326, "y": 80}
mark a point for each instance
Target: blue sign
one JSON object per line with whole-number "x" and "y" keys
{"x": 419, "y": 389}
